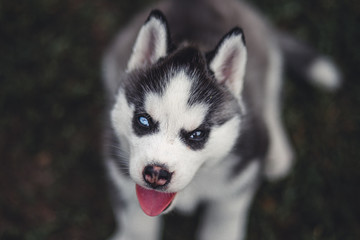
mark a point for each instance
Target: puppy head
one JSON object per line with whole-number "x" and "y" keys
{"x": 178, "y": 109}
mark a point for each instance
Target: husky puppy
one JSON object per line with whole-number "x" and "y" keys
{"x": 194, "y": 114}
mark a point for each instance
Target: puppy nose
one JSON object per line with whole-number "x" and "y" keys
{"x": 156, "y": 176}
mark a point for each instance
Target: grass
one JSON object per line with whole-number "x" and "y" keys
{"x": 52, "y": 184}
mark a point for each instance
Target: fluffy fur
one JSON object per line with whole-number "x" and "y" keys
{"x": 195, "y": 110}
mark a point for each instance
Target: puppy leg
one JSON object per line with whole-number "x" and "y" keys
{"x": 227, "y": 219}
{"x": 280, "y": 156}
{"x": 133, "y": 224}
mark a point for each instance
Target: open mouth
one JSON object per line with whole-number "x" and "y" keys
{"x": 153, "y": 202}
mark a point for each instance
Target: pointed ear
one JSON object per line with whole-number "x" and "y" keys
{"x": 152, "y": 42}
{"x": 228, "y": 61}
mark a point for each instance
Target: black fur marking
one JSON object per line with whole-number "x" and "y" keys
{"x": 141, "y": 82}
{"x": 195, "y": 144}
{"x": 158, "y": 15}
{"x": 188, "y": 58}
{"x": 252, "y": 144}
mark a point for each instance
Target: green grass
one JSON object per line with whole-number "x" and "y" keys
{"x": 52, "y": 184}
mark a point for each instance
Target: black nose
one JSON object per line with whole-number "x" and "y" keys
{"x": 156, "y": 176}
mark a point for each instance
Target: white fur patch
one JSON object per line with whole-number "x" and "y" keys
{"x": 172, "y": 109}
{"x": 324, "y": 73}
{"x": 222, "y": 140}
{"x": 121, "y": 118}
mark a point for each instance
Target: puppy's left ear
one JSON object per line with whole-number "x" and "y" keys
{"x": 228, "y": 61}
{"x": 152, "y": 42}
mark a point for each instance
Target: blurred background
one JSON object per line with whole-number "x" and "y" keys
{"x": 52, "y": 184}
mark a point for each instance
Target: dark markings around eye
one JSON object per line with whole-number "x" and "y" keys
{"x": 143, "y": 124}
{"x": 196, "y": 139}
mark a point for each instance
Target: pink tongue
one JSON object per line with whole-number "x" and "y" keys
{"x": 153, "y": 202}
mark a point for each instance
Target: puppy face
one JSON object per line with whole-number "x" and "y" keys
{"x": 178, "y": 110}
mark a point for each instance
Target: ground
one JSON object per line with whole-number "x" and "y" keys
{"x": 52, "y": 184}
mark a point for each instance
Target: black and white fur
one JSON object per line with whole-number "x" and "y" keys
{"x": 192, "y": 73}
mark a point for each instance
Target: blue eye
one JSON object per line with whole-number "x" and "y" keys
{"x": 144, "y": 121}
{"x": 196, "y": 135}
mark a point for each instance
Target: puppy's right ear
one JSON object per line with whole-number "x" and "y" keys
{"x": 152, "y": 42}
